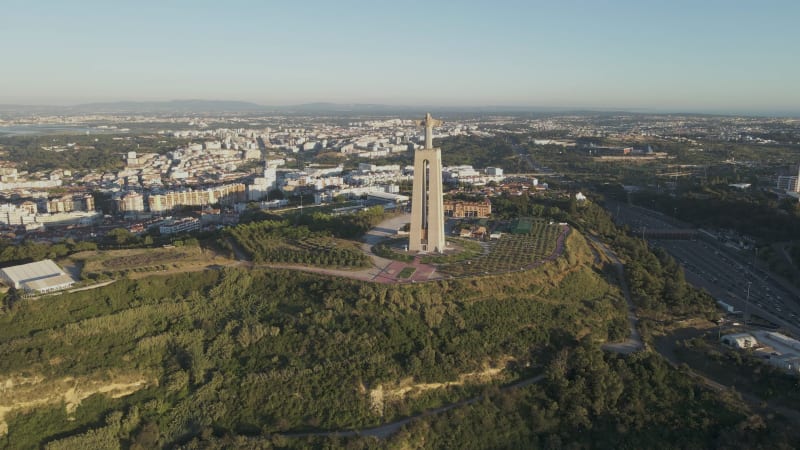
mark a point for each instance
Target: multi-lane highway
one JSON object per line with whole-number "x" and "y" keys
{"x": 730, "y": 276}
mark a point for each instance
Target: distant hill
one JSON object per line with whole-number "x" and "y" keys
{"x": 196, "y": 106}
{"x": 324, "y": 107}
{"x": 173, "y": 106}
{"x": 133, "y": 107}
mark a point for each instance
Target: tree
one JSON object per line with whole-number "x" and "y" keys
{"x": 119, "y": 236}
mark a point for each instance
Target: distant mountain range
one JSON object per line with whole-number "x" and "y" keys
{"x": 234, "y": 107}
{"x": 131, "y": 107}
{"x": 173, "y": 106}
{"x": 227, "y": 106}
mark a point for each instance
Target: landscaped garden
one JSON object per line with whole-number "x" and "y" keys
{"x": 512, "y": 251}
{"x": 280, "y": 242}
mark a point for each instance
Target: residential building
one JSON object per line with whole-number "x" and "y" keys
{"x": 179, "y": 226}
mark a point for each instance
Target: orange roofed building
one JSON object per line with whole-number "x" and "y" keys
{"x": 460, "y": 208}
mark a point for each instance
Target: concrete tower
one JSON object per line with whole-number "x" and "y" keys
{"x": 797, "y": 183}
{"x": 427, "y": 211}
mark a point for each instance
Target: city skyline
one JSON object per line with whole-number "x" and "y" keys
{"x": 678, "y": 57}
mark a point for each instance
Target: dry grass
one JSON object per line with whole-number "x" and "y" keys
{"x": 141, "y": 262}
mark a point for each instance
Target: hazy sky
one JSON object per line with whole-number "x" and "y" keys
{"x": 699, "y": 55}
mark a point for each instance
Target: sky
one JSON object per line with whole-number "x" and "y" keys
{"x": 671, "y": 55}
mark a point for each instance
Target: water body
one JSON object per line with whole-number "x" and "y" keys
{"x": 44, "y": 129}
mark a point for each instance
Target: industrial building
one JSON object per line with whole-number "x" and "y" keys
{"x": 775, "y": 348}
{"x": 740, "y": 340}
{"x": 41, "y": 276}
{"x": 378, "y": 198}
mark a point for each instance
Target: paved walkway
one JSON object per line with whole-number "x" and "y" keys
{"x": 390, "y": 269}
{"x": 381, "y": 270}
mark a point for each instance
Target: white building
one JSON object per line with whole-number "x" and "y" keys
{"x": 131, "y": 202}
{"x": 35, "y": 184}
{"x": 386, "y": 197}
{"x": 740, "y": 340}
{"x": 494, "y": 171}
{"x": 131, "y": 159}
{"x": 460, "y": 173}
{"x": 778, "y": 341}
{"x": 786, "y": 183}
{"x": 789, "y": 362}
{"x": 179, "y": 226}
{"x": 23, "y": 214}
{"x": 261, "y": 186}
{"x": 42, "y": 276}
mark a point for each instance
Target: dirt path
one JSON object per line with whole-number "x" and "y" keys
{"x": 388, "y": 429}
{"x": 634, "y": 341}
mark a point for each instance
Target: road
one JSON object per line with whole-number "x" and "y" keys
{"x": 731, "y": 276}
{"x": 634, "y": 341}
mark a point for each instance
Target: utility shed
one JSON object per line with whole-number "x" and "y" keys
{"x": 740, "y": 340}
{"x": 41, "y": 276}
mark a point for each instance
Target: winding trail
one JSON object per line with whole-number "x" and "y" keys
{"x": 388, "y": 429}
{"x": 634, "y": 341}
{"x": 630, "y": 345}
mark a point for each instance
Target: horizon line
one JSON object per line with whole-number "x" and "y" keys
{"x": 757, "y": 112}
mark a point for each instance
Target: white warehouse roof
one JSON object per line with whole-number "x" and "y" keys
{"x": 388, "y": 196}
{"x": 41, "y": 276}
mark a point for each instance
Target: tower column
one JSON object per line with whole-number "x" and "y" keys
{"x": 427, "y": 208}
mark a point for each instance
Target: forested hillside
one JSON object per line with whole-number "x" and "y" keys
{"x": 258, "y": 352}
{"x": 240, "y": 358}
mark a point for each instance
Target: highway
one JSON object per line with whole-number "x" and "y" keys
{"x": 727, "y": 274}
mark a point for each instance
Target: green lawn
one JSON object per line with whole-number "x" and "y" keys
{"x": 406, "y": 272}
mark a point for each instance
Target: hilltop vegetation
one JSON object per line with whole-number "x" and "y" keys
{"x": 478, "y": 152}
{"x": 280, "y": 242}
{"x": 253, "y": 352}
{"x": 593, "y": 400}
{"x": 318, "y": 238}
{"x": 88, "y": 152}
{"x": 235, "y": 358}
